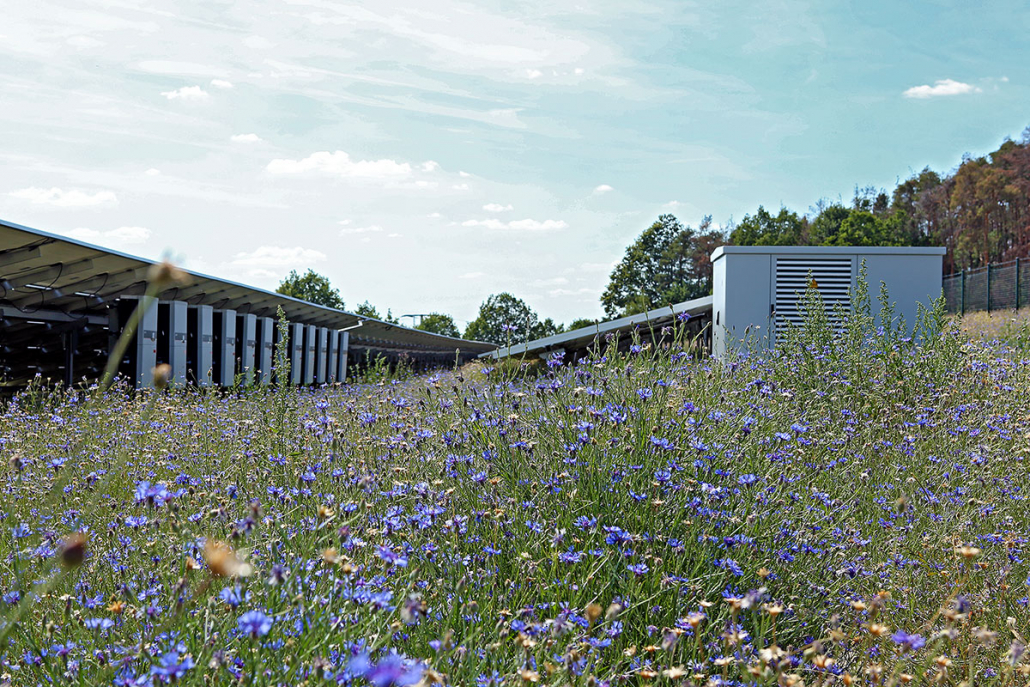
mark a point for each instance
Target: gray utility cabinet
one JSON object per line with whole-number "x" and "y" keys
{"x": 296, "y": 352}
{"x": 265, "y": 349}
{"x": 756, "y": 288}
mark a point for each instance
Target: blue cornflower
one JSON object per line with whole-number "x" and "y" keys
{"x": 729, "y": 564}
{"x": 571, "y": 556}
{"x": 392, "y": 671}
{"x": 913, "y": 642}
{"x": 661, "y": 442}
{"x": 170, "y": 667}
{"x": 98, "y": 623}
{"x": 645, "y": 393}
{"x": 136, "y": 521}
{"x": 152, "y": 494}
{"x": 638, "y": 569}
{"x": 233, "y": 596}
{"x": 585, "y": 523}
{"x": 254, "y": 623}
{"x": 392, "y": 557}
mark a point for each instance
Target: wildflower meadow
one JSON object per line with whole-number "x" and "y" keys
{"x": 850, "y": 508}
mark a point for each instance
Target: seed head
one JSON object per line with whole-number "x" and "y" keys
{"x": 73, "y": 550}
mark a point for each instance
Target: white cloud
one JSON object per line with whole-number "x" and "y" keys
{"x": 672, "y": 204}
{"x": 533, "y": 73}
{"x": 940, "y": 88}
{"x": 187, "y": 93}
{"x": 533, "y": 225}
{"x": 569, "y": 292}
{"x": 464, "y": 175}
{"x": 221, "y": 83}
{"x": 471, "y": 275}
{"x": 371, "y": 229}
{"x": 129, "y": 234}
{"x": 123, "y": 236}
{"x": 258, "y": 42}
{"x": 519, "y": 225}
{"x": 344, "y": 222}
{"x": 552, "y": 281}
{"x": 460, "y": 187}
{"x": 179, "y": 68}
{"x": 426, "y": 184}
{"x": 434, "y": 215}
{"x": 72, "y": 198}
{"x": 430, "y": 166}
{"x": 487, "y": 223}
{"x": 84, "y": 42}
{"x": 152, "y": 172}
{"x": 597, "y": 266}
{"x": 602, "y": 189}
{"x": 276, "y": 256}
{"x": 394, "y": 236}
{"x": 497, "y": 207}
{"x": 340, "y": 164}
{"x": 245, "y": 138}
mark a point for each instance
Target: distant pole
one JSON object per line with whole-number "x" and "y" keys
{"x": 1016, "y": 280}
{"x": 962, "y": 288}
{"x": 988, "y": 287}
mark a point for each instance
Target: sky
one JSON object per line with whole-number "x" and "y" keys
{"x": 424, "y": 155}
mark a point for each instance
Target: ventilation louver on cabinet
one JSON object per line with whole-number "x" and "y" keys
{"x": 831, "y": 276}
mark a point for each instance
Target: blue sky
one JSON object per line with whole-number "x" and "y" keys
{"x": 424, "y": 155}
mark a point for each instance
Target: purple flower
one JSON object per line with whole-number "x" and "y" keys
{"x": 98, "y": 623}
{"x": 390, "y": 672}
{"x": 170, "y": 667}
{"x": 254, "y": 623}
{"x": 913, "y": 642}
{"x": 638, "y": 568}
{"x": 152, "y": 494}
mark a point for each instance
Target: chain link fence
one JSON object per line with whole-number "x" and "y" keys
{"x": 1001, "y": 286}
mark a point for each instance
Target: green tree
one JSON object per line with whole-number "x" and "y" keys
{"x": 548, "y": 327}
{"x": 311, "y": 287}
{"x": 503, "y": 318}
{"x": 825, "y": 228}
{"x": 668, "y": 263}
{"x": 765, "y": 229}
{"x": 580, "y": 324}
{"x": 366, "y": 309}
{"x": 438, "y": 323}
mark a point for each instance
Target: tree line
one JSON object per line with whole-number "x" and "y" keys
{"x": 980, "y": 212}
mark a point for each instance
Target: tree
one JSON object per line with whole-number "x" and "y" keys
{"x": 824, "y": 229}
{"x": 366, "y": 309}
{"x": 438, "y": 323}
{"x": 580, "y": 323}
{"x": 311, "y": 287}
{"x": 503, "y": 318}
{"x": 668, "y": 263}
{"x": 764, "y": 229}
{"x": 548, "y": 328}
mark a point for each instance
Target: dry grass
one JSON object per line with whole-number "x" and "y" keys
{"x": 1010, "y": 326}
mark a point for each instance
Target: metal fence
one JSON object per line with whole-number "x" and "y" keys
{"x": 1001, "y": 286}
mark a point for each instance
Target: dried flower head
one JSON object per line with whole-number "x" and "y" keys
{"x": 73, "y": 550}
{"x": 223, "y": 561}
